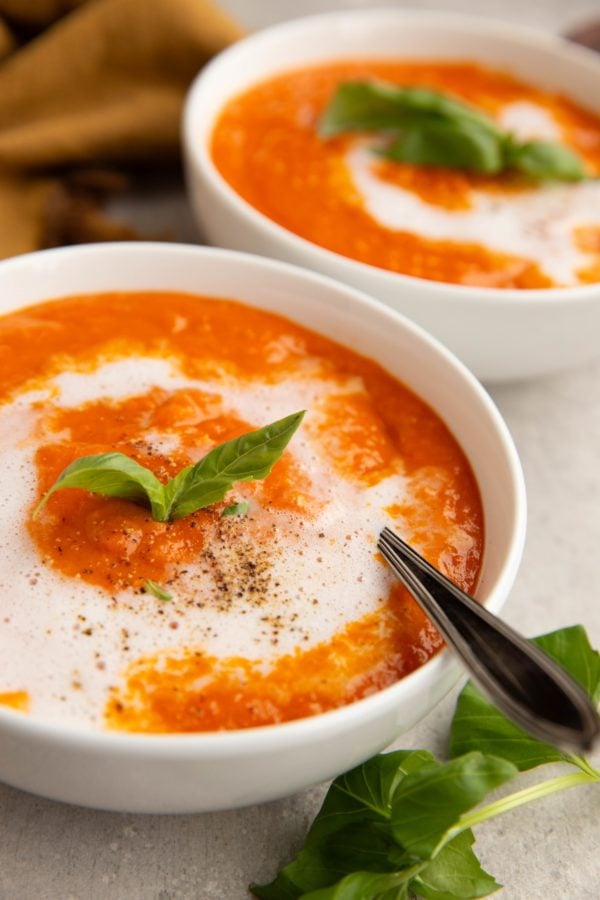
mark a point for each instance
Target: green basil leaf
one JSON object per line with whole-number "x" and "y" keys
{"x": 236, "y": 509}
{"x": 454, "y": 145}
{"x": 364, "y": 106}
{"x": 112, "y": 475}
{"x": 571, "y": 648}
{"x": 376, "y": 106}
{"x": 309, "y": 871}
{"x": 387, "y": 830}
{"x": 402, "y": 892}
{"x": 430, "y": 801}
{"x": 355, "y": 813}
{"x": 367, "y": 846}
{"x": 433, "y": 129}
{"x": 151, "y": 587}
{"x": 175, "y": 489}
{"x": 365, "y": 886}
{"x": 361, "y": 846}
{"x": 547, "y": 161}
{"x": 366, "y": 792}
{"x": 454, "y": 873}
{"x": 478, "y": 724}
{"x": 251, "y": 456}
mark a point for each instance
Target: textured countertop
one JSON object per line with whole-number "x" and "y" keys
{"x": 546, "y": 851}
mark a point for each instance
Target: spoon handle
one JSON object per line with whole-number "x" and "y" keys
{"x": 523, "y": 682}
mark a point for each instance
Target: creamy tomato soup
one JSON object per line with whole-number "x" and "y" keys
{"x": 281, "y": 613}
{"x": 435, "y": 223}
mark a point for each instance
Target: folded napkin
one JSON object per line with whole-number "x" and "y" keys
{"x": 86, "y": 87}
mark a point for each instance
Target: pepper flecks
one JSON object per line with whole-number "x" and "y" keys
{"x": 248, "y": 610}
{"x": 241, "y": 569}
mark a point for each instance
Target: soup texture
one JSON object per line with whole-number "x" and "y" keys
{"x": 277, "y": 614}
{"x": 441, "y": 224}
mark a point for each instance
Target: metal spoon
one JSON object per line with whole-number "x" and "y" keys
{"x": 520, "y": 679}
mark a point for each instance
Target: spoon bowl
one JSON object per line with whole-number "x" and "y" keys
{"x": 523, "y": 682}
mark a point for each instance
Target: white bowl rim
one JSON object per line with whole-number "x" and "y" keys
{"x": 230, "y": 742}
{"x": 200, "y": 153}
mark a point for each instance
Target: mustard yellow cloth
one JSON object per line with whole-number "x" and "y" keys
{"x": 87, "y": 84}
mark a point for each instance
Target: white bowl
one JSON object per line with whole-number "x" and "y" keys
{"x": 192, "y": 773}
{"x": 500, "y": 334}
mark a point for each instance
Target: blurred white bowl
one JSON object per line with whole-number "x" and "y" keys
{"x": 208, "y": 771}
{"x": 500, "y": 334}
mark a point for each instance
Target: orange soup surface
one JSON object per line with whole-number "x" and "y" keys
{"x": 441, "y": 224}
{"x": 277, "y": 614}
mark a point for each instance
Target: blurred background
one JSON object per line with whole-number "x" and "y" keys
{"x": 550, "y": 14}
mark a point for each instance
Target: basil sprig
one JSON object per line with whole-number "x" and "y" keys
{"x": 400, "y": 825}
{"x": 236, "y": 509}
{"x": 246, "y": 458}
{"x": 429, "y": 128}
{"x": 151, "y": 587}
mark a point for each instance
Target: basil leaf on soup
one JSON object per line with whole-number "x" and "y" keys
{"x": 112, "y": 475}
{"x": 151, "y": 587}
{"x": 249, "y": 457}
{"x": 376, "y": 106}
{"x": 544, "y": 160}
{"x": 456, "y": 145}
{"x": 236, "y": 509}
{"x": 427, "y": 127}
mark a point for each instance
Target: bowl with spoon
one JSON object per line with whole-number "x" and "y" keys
{"x": 90, "y": 762}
